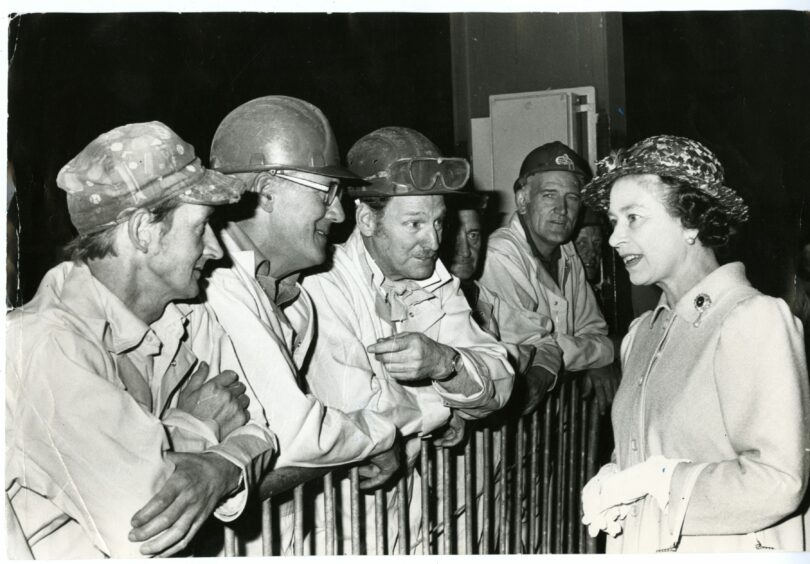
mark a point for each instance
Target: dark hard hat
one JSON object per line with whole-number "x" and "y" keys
{"x": 375, "y": 156}
{"x": 276, "y": 132}
{"x": 553, "y": 156}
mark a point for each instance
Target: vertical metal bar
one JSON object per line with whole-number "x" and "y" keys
{"x": 547, "y": 497}
{"x": 486, "y": 502}
{"x": 593, "y": 439}
{"x": 267, "y": 527}
{"x": 503, "y": 532}
{"x": 448, "y": 498}
{"x": 230, "y": 541}
{"x": 379, "y": 521}
{"x": 534, "y": 442}
{"x": 329, "y": 513}
{"x": 573, "y": 493}
{"x": 298, "y": 500}
{"x": 520, "y": 485}
{"x": 583, "y": 454}
{"x": 425, "y": 465}
{"x": 560, "y": 470}
{"x": 470, "y": 504}
{"x": 402, "y": 513}
{"x": 441, "y": 500}
{"x": 354, "y": 481}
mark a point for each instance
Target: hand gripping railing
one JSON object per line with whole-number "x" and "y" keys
{"x": 513, "y": 487}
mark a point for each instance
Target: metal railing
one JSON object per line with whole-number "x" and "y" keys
{"x": 512, "y": 488}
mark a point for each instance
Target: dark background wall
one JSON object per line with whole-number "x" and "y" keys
{"x": 737, "y": 81}
{"x": 72, "y": 77}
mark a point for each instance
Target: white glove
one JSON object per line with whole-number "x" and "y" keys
{"x": 592, "y": 492}
{"x": 593, "y": 515}
{"x": 610, "y": 520}
{"x": 607, "y": 496}
{"x": 651, "y": 477}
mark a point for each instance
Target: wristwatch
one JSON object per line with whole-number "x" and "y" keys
{"x": 455, "y": 367}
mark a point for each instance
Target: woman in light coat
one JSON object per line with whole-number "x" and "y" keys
{"x": 711, "y": 421}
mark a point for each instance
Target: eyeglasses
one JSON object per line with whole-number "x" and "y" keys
{"x": 332, "y": 191}
{"x": 423, "y": 172}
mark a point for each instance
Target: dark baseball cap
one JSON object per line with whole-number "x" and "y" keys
{"x": 553, "y": 156}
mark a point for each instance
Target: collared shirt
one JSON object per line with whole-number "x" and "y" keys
{"x": 90, "y": 391}
{"x": 550, "y": 263}
{"x": 344, "y": 375}
{"x": 270, "y": 344}
{"x": 719, "y": 379}
{"x": 551, "y": 317}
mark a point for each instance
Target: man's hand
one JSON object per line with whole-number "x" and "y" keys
{"x": 413, "y": 356}
{"x": 174, "y": 515}
{"x": 603, "y": 383}
{"x": 531, "y": 388}
{"x": 379, "y": 468}
{"x": 453, "y": 432}
{"x": 221, "y": 398}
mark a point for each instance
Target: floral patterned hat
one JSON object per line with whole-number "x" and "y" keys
{"x": 666, "y": 155}
{"x": 135, "y": 166}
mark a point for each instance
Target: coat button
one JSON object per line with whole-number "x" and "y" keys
{"x": 633, "y": 445}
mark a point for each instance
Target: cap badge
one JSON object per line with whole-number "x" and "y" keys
{"x": 564, "y": 160}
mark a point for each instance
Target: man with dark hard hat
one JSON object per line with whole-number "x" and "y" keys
{"x": 532, "y": 265}
{"x": 285, "y": 152}
{"x": 117, "y": 442}
{"x": 396, "y": 336}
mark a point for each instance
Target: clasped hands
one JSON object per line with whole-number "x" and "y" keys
{"x": 168, "y": 522}
{"x": 608, "y": 496}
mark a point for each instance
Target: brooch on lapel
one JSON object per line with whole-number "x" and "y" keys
{"x": 702, "y": 303}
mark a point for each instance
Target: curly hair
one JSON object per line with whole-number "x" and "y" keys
{"x": 102, "y": 243}
{"x": 698, "y": 210}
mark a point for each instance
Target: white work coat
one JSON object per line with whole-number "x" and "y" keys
{"x": 90, "y": 396}
{"x": 568, "y": 312}
{"x": 268, "y": 348}
{"x": 344, "y": 375}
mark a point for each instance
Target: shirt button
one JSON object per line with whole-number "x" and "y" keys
{"x": 410, "y": 314}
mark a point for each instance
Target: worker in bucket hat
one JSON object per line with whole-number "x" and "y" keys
{"x": 119, "y": 444}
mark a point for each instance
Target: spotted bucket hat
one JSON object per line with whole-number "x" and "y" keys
{"x": 136, "y": 166}
{"x": 666, "y": 155}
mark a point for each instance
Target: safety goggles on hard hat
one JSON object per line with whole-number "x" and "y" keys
{"x": 422, "y": 172}
{"x": 332, "y": 190}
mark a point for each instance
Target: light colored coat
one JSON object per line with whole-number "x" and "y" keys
{"x": 727, "y": 389}
{"x": 269, "y": 344}
{"x": 90, "y": 396}
{"x": 541, "y": 313}
{"x": 342, "y": 374}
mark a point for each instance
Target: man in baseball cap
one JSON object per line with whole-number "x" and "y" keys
{"x": 533, "y": 267}
{"x": 118, "y": 443}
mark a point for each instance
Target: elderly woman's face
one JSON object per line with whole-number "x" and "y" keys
{"x": 651, "y": 243}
